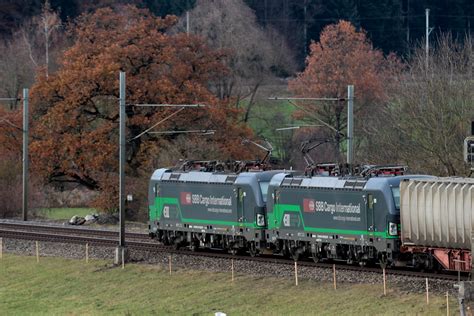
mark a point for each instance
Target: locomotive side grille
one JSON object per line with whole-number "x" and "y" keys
{"x": 230, "y": 179}
{"x": 175, "y": 176}
{"x": 349, "y": 184}
{"x": 354, "y": 184}
{"x": 296, "y": 182}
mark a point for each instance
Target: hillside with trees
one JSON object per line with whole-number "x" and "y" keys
{"x": 235, "y": 57}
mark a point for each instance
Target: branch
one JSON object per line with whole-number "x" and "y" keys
{"x": 28, "y": 46}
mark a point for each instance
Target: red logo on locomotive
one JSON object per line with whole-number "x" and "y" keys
{"x": 309, "y": 206}
{"x": 185, "y": 198}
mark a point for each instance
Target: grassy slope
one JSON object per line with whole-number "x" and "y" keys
{"x": 61, "y": 286}
{"x": 65, "y": 213}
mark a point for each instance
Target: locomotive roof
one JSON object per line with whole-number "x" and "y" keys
{"x": 211, "y": 177}
{"x": 325, "y": 182}
{"x": 357, "y": 183}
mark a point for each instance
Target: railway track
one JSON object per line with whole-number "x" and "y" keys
{"x": 141, "y": 241}
{"x": 67, "y": 230}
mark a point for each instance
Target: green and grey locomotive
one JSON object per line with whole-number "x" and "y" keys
{"x": 209, "y": 210}
{"x": 355, "y": 219}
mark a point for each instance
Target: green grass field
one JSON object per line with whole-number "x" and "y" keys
{"x": 61, "y": 286}
{"x": 64, "y": 213}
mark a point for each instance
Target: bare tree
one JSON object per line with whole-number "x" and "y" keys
{"x": 39, "y": 34}
{"x": 15, "y": 70}
{"x": 31, "y": 48}
{"x": 430, "y": 111}
{"x": 257, "y": 55}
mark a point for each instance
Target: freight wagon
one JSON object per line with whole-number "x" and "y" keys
{"x": 436, "y": 222}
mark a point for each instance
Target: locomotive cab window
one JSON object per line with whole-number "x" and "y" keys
{"x": 264, "y": 189}
{"x": 276, "y": 196}
{"x": 396, "y": 197}
{"x": 241, "y": 194}
{"x": 370, "y": 201}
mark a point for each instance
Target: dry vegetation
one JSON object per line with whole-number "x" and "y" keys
{"x": 405, "y": 113}
{"x": 61, "y": 286}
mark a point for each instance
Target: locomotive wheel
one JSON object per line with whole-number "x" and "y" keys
{"x": 295, "y": 254}
{"x": 253, "y": 249}
{"x": 194, "y": 246}
{"x": 166, "y": 240}
{"x": 176, "y": 245}
{"x": 316, "y": 257}
{"x": 383, "y": 260}
{"x": 178, "y": 242}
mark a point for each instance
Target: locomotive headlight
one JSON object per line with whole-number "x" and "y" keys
{"x": 392, "y": 229}
{"x": 260, "y": 220}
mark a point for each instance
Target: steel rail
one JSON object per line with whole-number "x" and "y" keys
{"x": 105, "y": 238}
{"x": 69, "y": 229}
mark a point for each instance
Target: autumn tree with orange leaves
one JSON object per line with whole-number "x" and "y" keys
{"x": 75, "y": 110}
{"x": 343, "y": 56}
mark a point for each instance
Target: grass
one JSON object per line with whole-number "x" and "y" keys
{"x": 268, "y": 115}
{"x": 265, "y": 115}
{"x": 64, "y": 286}
{"x": 64, "y": 213}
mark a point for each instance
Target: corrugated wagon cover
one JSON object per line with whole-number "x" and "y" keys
{"x": 437, "y": 212}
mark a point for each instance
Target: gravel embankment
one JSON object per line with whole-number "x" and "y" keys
{"x": 258, "y": 269}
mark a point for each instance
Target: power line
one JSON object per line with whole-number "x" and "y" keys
{"x": 339, "y": 18}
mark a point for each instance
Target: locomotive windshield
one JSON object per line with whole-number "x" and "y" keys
{"x": 396, "y": 197}
{"x": 264, "y": 189}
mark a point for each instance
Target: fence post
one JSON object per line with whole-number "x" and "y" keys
{"x": 447, "y": 303}
{"x": 427, "y": 293}
{"x": 232, "y": 269}
{"x": 87, "y": 252}
{"x": 384, "y": 283}
{"x": 334, "y": 275}
{"x": 37, "y": 252}
{"x": 169, "y": 262}
{"x": 296, "y": 273}
{"x": 123, "y": 257}
{"x": 1, "y": 248}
